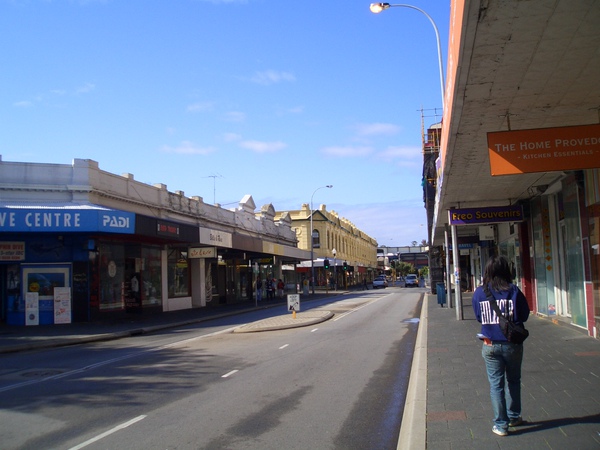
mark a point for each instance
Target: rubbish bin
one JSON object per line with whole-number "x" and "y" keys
{"x": 441, "y": 293}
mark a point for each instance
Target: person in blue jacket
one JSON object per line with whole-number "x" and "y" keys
{"x": 502, "y": 358}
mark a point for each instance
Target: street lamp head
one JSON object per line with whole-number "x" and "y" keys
{"x": 329, "y": 186}
{"x": 376, "y": 8}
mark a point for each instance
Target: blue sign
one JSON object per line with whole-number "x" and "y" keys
{"x": 65, "y": 220}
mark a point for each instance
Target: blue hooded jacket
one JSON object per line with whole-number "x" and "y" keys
{"x": 513, "y": 299}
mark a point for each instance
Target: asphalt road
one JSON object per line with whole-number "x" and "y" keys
{"x": 338, "y": 385}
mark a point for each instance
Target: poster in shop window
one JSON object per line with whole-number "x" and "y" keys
{"x": 62, "y": 305}
{"x": 32, "y": 308}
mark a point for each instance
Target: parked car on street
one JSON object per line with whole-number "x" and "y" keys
{"x": 380, "y": 282}
{"x": 411, "y": 280}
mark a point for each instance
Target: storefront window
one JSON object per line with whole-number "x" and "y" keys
{"x": 574, "y": 254}
{"x": 150, "y": 274}
{"x": 112, "y": 276}
{"x": 178, "y": 273}
{"x": 542, "y": 250}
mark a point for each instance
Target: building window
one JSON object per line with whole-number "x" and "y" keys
{"x": 316, "y": 239}
{"x": 178, "y": 273}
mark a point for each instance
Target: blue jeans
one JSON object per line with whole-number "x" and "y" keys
{"x": 503, "y": 361}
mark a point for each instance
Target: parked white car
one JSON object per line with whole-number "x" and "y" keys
{"x": 380, "y": 282}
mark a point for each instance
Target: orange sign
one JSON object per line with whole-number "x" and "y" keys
{"x": 544, "y": 150}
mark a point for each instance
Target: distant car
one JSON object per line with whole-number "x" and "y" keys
{"x": 380, "y": 282}
{"x": 411, "y": 280}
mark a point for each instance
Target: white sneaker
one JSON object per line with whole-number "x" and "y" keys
{"x": 499, "y": 432}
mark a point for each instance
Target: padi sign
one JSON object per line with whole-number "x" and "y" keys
{"x": 65, "y": 220}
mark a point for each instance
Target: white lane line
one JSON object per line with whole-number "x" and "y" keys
{"x": 228, "y": 374}
{"x": 109, "y": 432}
{"x": 313, "y": 330}
{"x": 283, "y": 346}
{"x": 341, "y": 316}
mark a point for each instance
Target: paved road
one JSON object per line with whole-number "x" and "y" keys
{"x": 337, "y": 384}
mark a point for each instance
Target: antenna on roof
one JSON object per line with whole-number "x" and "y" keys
{"x": 214, "y": 177}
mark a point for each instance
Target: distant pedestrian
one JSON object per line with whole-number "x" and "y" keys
{"x": 280, "y": 288}
{"x": 502, "y": 358}
{"x": 270, "y": 289}
{"x": 365, "y": 285}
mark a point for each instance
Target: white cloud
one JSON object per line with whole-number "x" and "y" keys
{"x": 200, "y": 107}
{"x": 23, "y": 104}
{"x": 187, "y": 148}
{"x": 351, "y": 152}
{"x": 268, "y": 77}
{"x": 84, "y": 89}
{"x": 377, "y": 129}
{"x": 292, "y": 110}
{"x": 406, "y": 153}
{"x": 375, "y": 219}
{"x": 263, "y": 147}
{"x": 235, "y": 116}
{"x": 231, "y": 137}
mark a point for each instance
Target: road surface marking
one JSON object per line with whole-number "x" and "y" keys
{"x": 283, "y": 346}
{"x": 109, "y": 432}
{"x": 228, "y": 374}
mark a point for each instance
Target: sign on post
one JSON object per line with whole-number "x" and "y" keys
{"x": 293, "y": 301}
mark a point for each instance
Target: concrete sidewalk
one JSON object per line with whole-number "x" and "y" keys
{"x": 560, "y": 386}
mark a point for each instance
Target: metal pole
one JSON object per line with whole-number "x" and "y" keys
{"x": 448, "y": 275}
{"x": 312, "y": 247}
{"x": 334, "y": 273}
{"x": 456, "y": 262}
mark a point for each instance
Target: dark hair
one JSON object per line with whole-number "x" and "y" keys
{"x": 498, "y": 273}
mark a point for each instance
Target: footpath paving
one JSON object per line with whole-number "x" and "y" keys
{"x": 560, "y": 386}
{"x": 448, "y": 405}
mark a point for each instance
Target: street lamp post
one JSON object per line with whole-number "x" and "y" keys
{"x": 334, "y": 270}
{"x": 376, "y": 8}
{"x": 312, "y": 242}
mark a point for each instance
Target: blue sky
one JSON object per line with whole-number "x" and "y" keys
{"x": 220, "y": 99}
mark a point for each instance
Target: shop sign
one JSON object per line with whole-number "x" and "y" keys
{"x": 167, "y": 229}
{"x": 544, "y": 150}
{"x": 12, "y": 251}
{"x": 266, "y": 261}
{"x": 217, "y": 238}
{"x": 486, "y": 233}
{"x": 202, "y": 252}
{"x": 63, "y": 220}
{"x": 469, "y": 216}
